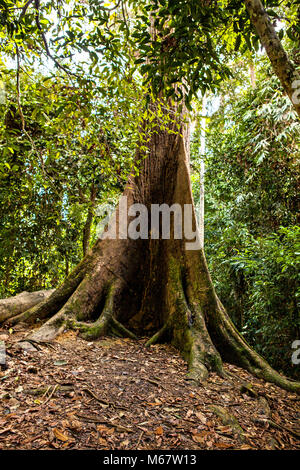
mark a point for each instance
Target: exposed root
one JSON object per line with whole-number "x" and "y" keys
{"x": 228, "y": 419}
{"x": 186, "y": 329}
{"x": 20, "y": 303}
{"x": 102, "y": 327}
{"x": 48, "y": 307}
{"x": 272, "y": 423}
{"x": 196, "y": 322}
{"x": 117, "y": 329}
{"x": 105, "y": 325}
{"x": 160, "y": 336}
{"x": 55, "y": 325}
{"x": 202, "y": 347}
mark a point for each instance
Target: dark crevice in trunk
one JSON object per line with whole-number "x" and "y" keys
{"x": 96, "y": 313}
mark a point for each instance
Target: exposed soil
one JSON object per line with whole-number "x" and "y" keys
{"x": 117, "y": 394}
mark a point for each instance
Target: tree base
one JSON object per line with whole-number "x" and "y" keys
{"x": 196, "y": 323}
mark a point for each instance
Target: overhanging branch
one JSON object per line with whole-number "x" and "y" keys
{"x": 48, "y": 52}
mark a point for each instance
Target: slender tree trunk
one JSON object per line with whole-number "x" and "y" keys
{"x": 21, "y": 302}
{"x": 282, "y": 66}
{"x": 202, "y": 174}
{"x": 152, "y": 286}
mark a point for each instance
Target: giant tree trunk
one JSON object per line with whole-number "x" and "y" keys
{"x": 89, "y": 220}
{"x": 153, "y": 287}
{"x": 282, "y": 66}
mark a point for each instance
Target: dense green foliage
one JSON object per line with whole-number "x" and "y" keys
{"x": 252, "y": 237}
{"x": 75, "y": 81}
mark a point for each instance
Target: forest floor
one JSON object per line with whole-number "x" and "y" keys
{"x": 116, "y": 394}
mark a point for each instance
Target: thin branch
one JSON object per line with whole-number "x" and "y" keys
{"x": 32, "y": 79}
{"x": 48, "y": 52}
{"x": 34, "y": 148}
{"x": 125, "y": 20}
{"x": 113, "y": 8}
{"x": 25, "y": 8}
{"x": 19, "y": 89}
{"x": 19, "y": 99}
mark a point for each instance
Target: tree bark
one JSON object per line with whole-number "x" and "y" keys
{"x": 282, "y": 66}
{"x": 158, "y": 288}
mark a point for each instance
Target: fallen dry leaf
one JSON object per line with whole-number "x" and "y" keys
{"x": 159, "y": 431}
{"x": 223, "y": 445}
{"x": 201, "y": 417}
{"x": 59, "y": 435}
